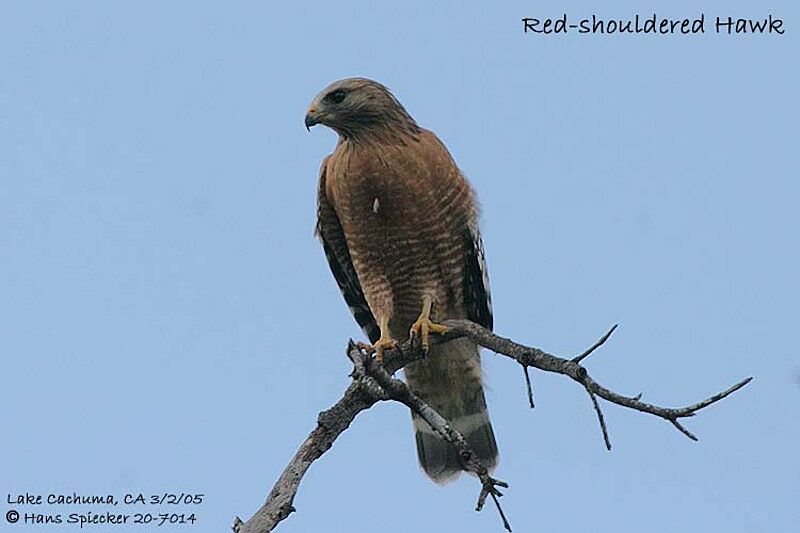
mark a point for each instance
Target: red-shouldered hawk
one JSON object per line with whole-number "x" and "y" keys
{"x": 399, "y": 225}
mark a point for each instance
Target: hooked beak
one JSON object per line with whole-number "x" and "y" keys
{"x": 311, "y": 118}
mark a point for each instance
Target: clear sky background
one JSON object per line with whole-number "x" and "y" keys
{"x": 168, "y": 322}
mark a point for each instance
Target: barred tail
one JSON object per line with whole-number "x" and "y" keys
{"x": 449, "y": 380}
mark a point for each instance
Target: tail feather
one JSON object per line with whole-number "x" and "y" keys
{"x": 440, "y": 460}
{"x": 450, "y": 381}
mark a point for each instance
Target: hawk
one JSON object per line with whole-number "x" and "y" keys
{"x": 399, "y": 225}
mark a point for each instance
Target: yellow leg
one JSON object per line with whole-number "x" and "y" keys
{"x": 383, "y": 344}
{"x": 423, "y": 327}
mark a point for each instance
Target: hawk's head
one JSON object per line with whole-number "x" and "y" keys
{"x": 354, "y": 107}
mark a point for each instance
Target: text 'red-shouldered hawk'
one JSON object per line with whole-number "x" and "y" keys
{"x": 399, "y": 225}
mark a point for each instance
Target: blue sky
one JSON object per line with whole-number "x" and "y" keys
{"x": 168, "y": 323}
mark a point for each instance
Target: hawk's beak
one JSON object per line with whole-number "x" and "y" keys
{"x": 311, "y": 118}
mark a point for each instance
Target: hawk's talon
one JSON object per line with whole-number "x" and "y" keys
{"x": 423, "y": 327}
{"x": 382, "y": 345}
{"x": 365, "y": 347}
{"x": 385, "y": 342}
{"x": 378, "y": 348}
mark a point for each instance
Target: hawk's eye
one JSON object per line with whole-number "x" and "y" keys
{"x": 336, "y": 96}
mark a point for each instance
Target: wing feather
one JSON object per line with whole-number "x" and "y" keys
{"x": 329, "y": 230}
{"x": 477, "y": 295}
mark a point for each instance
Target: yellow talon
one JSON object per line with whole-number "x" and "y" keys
{"x": 423, "y": 327}
{"x": 383, "y": 344}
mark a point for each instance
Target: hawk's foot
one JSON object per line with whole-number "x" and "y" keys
{"x": 423, "y": 327}
{"x": 379, "y": 347}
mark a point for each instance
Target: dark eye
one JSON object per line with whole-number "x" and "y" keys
{"x": 336, "y": 96}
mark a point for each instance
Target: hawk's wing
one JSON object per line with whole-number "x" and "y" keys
{"x": 329, "y": 230}
{"x": 477, "y": 297}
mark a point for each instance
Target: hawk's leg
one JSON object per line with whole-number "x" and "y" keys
{"x": 386, "y": 342}
{"x": 423, "y": 327}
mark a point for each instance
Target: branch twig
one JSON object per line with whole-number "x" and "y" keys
{"x": 373, "y": 382}
{"x": 528, "y": 387}
{"x": 601, "y": 418}
{"x": 602, "y": 340}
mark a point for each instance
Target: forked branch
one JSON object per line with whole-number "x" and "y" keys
{"x": 372, "y": 382}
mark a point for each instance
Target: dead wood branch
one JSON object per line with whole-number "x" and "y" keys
{"x": 372, "y": 382}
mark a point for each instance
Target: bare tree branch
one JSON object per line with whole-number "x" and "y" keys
{"x": 330, "y": 424}
{"x": 470, "y": 462}
{"x": 534, "y": 357}
{"x": 372, "y": 382}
